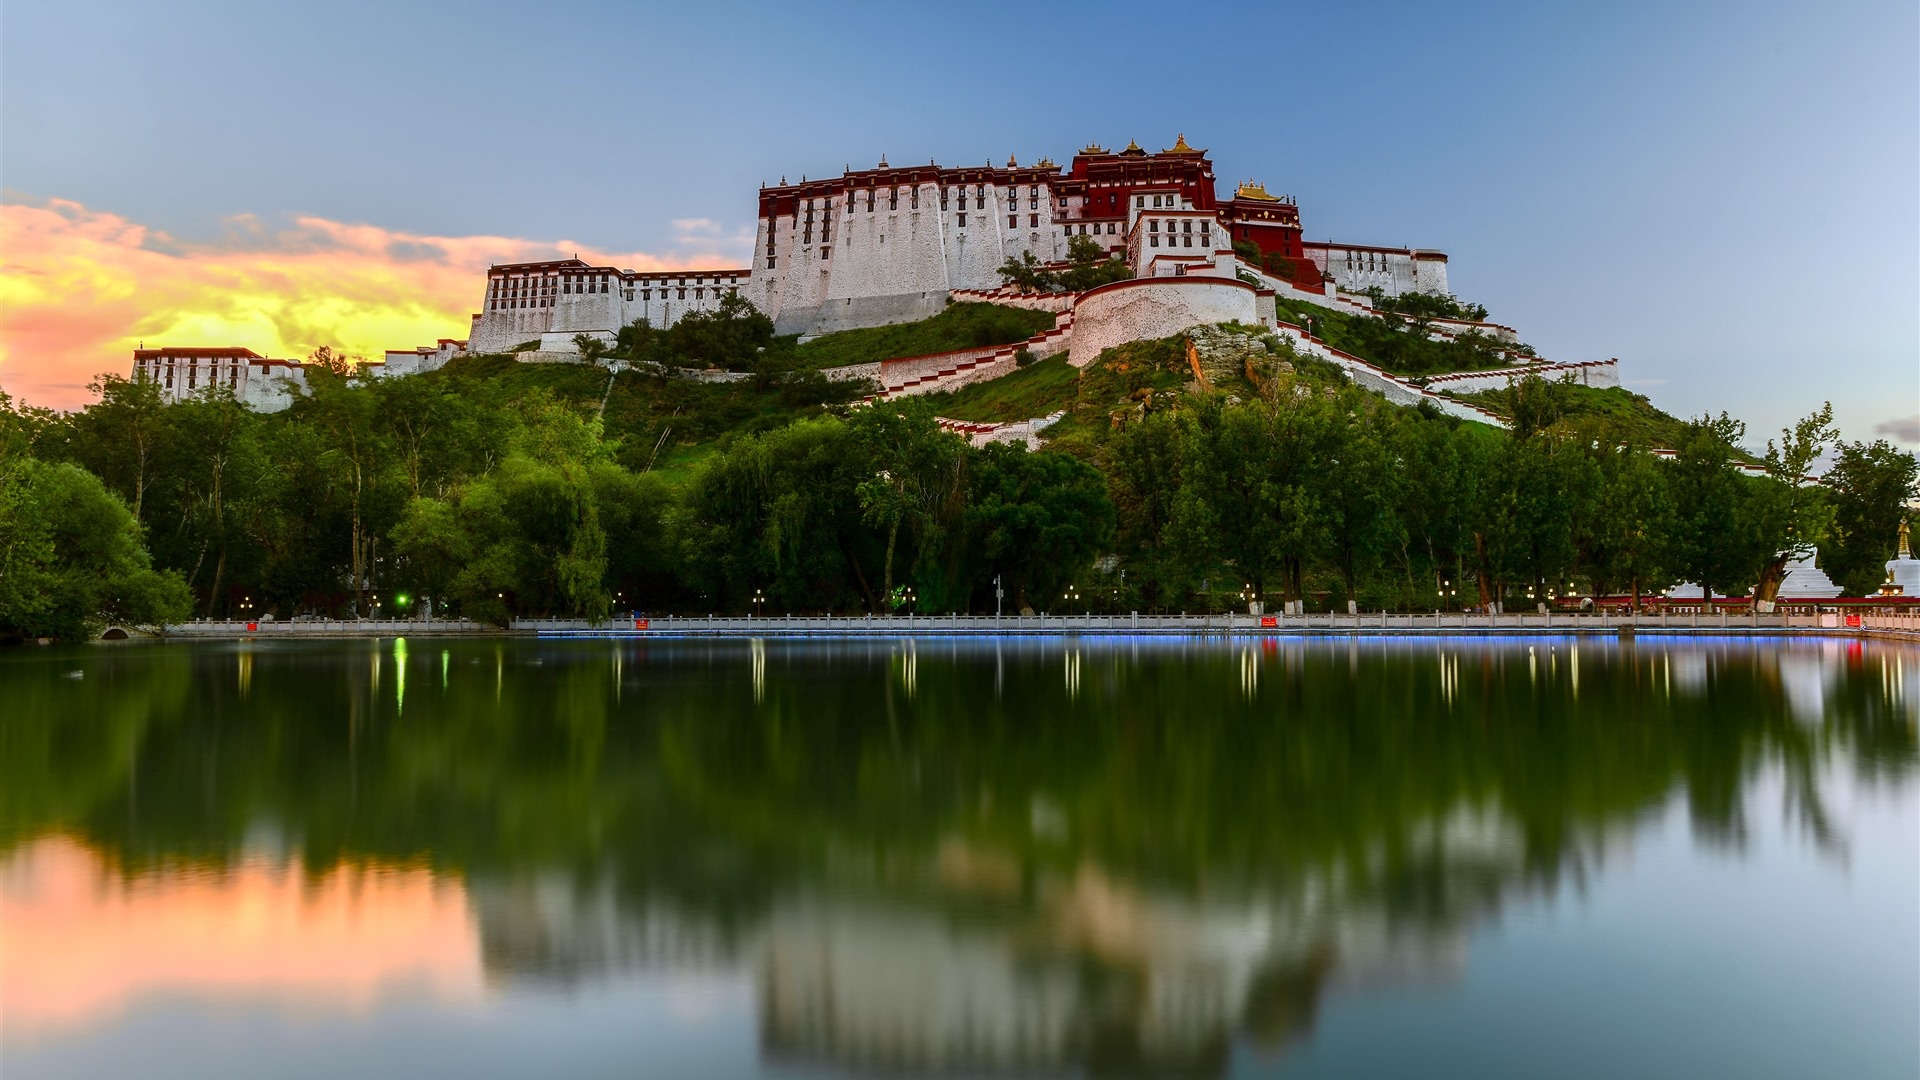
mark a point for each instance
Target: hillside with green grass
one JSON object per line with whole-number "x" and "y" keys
{"x": 1396, "y": 343}
{"x": 1139, "y": 377}
{"x": 959, "y": 326}
{"x": 1630, "y": 416}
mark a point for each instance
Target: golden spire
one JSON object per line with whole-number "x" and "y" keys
{"x": 1180, "y": 146}
{"x": 1906, "y": 551}
{"x": 1012, "y": 164}
{"x": 1132, "y": 145}
{"x": 1251, "y": 190}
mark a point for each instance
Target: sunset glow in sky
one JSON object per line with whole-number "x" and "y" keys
{"x": 81, "y": 288}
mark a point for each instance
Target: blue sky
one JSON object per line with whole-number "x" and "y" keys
{"x": 1722, "y": 195}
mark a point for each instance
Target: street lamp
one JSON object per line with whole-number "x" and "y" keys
{"x": 1071, "y": 596}
{"x": 759, "y": 602}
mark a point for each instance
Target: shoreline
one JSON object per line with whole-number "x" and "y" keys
{"x": 1904, "y": 627}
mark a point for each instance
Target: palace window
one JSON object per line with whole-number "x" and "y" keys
{"x": 683, "y": 294}
{"x": 1033, "y": 221}
{"x": 825, "y": 254}
{"x": 979, "y": 196}
{"x": 1186, "y": 241}
{"x": 1153, "y": 225}
{"x": 869, "y": 200}
{"x": 1112, "y": 227}
{"x": 1154, "y": 240}
{"x": 769, "y": 262}
{"x": 893, "y": 198}
{"x": 1013, "y": 222}
{"x": 963, "y": 220}
{"x": 1186, "y": 226}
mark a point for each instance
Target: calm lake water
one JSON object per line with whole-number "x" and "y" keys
{"x": 1474, "y": 857}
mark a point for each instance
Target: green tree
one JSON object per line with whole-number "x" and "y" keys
{"x": 1789, "y": 512}
{"x": 1040, "y": 519}
{"x": 71, "y": 559}
{"x": 1870, "y": 486}
{"x": 119, "y": 436}
{"x": 1625, "y": 536}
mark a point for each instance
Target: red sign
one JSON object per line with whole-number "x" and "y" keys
{"x": 252, "y": 626}
{"x": 639, "y": 624}
{"x": 1853, "y": 620}
{"x": 1269, "y": 620}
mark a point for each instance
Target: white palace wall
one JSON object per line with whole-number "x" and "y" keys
{"x": 840, "y": 265}
{"x": 1357, "y": 268}
{"x": 1158, "y": 307}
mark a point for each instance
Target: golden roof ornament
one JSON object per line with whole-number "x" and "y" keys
{"x": 1093, "y": 148}
{"x": 1046, "y": 163}
{"x": 1252, "y": 190}
{"x": 883, "y": 161}
{"x": 1012, "y": 164}
{"x": 1906, "y": 551}
{"x": 1180, "y": 146}
{"x": 1133, "y": 149}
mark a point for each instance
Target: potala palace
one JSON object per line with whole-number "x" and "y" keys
{"x": 895, "y": 244}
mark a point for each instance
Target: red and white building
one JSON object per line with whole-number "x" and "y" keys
{"x": 891, "y": 244}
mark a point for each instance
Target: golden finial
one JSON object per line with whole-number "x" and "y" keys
{"x": 1133, "y": 148}
{"x": 1180, "y": 146}
{"x": 1012, "y": 164}
{"x": 1251, "y": 190}
{"x": 1906, "y": 551}
{"x": 1093, "y": 148}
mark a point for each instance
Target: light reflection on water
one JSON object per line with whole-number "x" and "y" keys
{"x": 967, "y": 857}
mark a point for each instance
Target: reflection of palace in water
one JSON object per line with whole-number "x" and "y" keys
{"x": 990, "y": 966}
{"x": 1005, "y": 947}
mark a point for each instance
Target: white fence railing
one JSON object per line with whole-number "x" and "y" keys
{"x": 326, "y": 627}
{"x": 1221, "y": 623}
{"x": 1229, "y": 623}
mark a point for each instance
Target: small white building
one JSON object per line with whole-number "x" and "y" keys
{"x": 181, "y": 373}
{"x": 417, "y": 360}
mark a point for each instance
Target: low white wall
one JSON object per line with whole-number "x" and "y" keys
{"x": 1156, "y": 308}
{"x": 1597, "y": 373}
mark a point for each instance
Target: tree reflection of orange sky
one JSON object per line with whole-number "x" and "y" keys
{"x": 80, "y": 941}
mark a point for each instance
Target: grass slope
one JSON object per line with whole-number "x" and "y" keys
{"x": 1392, "y": 342}
{"x": 960, "y": 326}
{"x": 1629, "y": 413}
{"x": 1034, "y": 390}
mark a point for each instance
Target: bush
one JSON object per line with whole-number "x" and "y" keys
{"x": 1022, "y": 357}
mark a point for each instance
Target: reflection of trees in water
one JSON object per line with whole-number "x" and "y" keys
{"x": 961, "y": 856}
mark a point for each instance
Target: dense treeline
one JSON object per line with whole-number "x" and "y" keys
{"x": 499, "y": 488}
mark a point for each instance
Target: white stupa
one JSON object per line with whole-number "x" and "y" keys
{"x": 1903, "y": 569}
{"x": 1805, "y": 581}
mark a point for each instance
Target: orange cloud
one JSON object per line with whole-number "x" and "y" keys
{"x": 80, "y": 288}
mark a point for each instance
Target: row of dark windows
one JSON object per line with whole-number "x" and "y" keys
{"x": 646, "y": 295}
